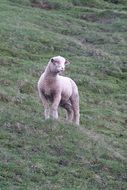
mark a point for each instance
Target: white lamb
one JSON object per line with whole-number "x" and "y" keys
{"x": 55, "y": 90}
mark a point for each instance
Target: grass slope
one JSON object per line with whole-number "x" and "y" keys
{"x": 38, "y": 154}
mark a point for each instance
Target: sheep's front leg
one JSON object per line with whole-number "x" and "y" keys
{"x": 46, "y": 110}
{"x": 54, "y": 107}
{"x": 46, "y": 106}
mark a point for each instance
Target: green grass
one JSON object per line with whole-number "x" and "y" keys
{"x": 51, "y": 155}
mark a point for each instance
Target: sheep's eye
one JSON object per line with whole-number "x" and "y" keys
{"x": 54, "y": 62}
{"x": 57, "y": 63}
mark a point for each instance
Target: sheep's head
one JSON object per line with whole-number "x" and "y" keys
{"x": 57, "y": 64}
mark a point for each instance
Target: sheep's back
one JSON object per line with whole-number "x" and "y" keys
{"x": 66, "y": 86}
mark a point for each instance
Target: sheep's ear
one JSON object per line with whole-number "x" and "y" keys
{"x": 52, "y": 60}
{"x": 67, "y": 62}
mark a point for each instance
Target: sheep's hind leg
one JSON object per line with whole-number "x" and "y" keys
{"x": 75, "y": 107}
{"x": 67, "y": 106}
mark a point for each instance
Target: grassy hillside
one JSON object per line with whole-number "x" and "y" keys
{"x": 49, "y": 155}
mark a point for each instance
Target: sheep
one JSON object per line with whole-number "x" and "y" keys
{"x": 56, "y": 90}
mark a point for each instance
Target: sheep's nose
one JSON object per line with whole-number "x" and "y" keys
{"x": 61, "y": 69}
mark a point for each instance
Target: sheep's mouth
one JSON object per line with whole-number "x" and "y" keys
{"x": 60, "y": 71}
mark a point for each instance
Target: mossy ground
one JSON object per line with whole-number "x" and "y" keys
{"x": 39, "y": 154}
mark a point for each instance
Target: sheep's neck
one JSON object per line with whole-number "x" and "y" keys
{"x": 50, "y": 79}
{"x": 50, "y": 74}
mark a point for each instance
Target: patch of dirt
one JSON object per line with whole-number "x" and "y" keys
{"x": 35, "y": 73}
{"x": 26, "y": 87}
{"x": 17, "y": 127}
{"x": 7, "y": 61}
{"x": 63, "y": 162}
{"x": 5, "y": 82}
{"x": 43, "y": 5}
{"x": 105, "y": 18}
{"x": 4, "y": 98}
